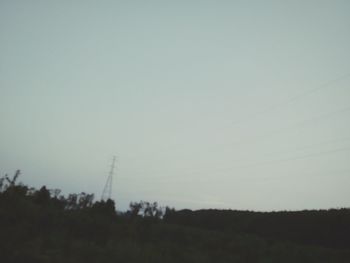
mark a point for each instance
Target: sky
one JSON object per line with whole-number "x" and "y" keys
{"x": 206, "y": 104}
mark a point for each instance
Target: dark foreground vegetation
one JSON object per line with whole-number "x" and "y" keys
{"x": 44, "y": 226}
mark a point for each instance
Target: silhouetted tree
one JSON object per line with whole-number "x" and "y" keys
{"x": 44, "y": 226}
{"x": 85, "y": 200}
{"x": 135, "y": 209}
{"x": 42, "y": 196}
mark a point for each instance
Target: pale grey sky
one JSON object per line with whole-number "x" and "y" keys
{"x": 221, "y": 104}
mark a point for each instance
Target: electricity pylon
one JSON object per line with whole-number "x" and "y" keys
{"x": 107, "y": 190}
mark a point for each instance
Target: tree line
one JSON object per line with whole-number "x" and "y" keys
{"x": 42, "y": 225}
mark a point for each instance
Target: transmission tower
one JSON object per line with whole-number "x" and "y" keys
{"x": 107, "y": 190}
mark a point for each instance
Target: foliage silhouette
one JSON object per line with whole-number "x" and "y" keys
{"x": 44, "y": 226}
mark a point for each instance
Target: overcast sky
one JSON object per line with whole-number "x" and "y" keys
{"x": 207, "y": 104}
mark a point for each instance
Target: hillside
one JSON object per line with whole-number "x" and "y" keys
{"x": 44, "y": 226}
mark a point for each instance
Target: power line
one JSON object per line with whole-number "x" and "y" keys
{"x": 337, "y": 140}
{"x": 290, "y": 127}
{"x": 288, "y": 159}
{"x": 294, "y": 98}
{"x": 313, "y": 174}
{"x": 287, "y": 102}
{"x": 264, "y": 163}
